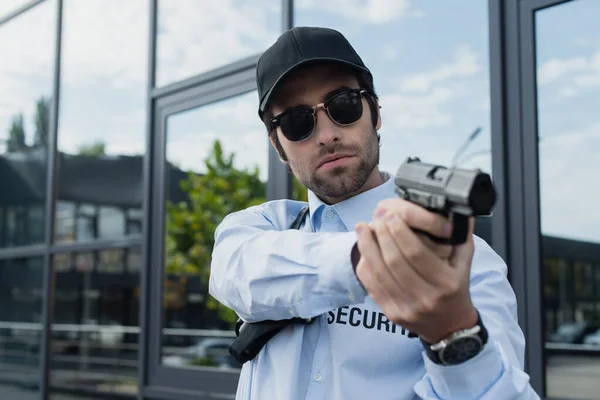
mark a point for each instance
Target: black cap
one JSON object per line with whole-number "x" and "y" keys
{"x": 299, "y": 46}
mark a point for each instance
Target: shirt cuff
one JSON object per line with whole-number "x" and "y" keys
{"x": 468, "y": 380}
{"x": 335, "y": 261}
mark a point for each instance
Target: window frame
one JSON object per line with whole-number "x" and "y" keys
{"x": 163, "y": 381}
{"x": 155, "y": 380}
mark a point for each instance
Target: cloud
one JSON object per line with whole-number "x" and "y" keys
{"x": 571, "y": 75}
{"x": 555, "y": 69}
{"x": 105, "y": 41}
{"x": 233, "y": 122}
{"x": 9, "y": 6}
{"x": 568, "y": 189}
{"x": 370, "y": 11}
{"x": 417, "y": 111}
{"x": 196, "y": 36}
{"x": 104, "y": 76}
{"x": 389, "y": 52}
{"x": 465, "y": 63}
{"x": 421, "y": 101}
{"x": 26, "y": 69}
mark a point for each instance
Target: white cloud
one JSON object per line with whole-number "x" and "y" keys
{"x": 233, "y": 122}
{"x": 555, "y": 69}
{"x": 104, "y": 75}
{"x": 9, "y": 6}
{"x": 105, "y": 40}
{"x": 465, "y": 63}
{"x": 370, "y": 11}
{"x": 568, "y": 183}
{"x": 104, "y": 69}
{"x": 572, "y": 75}
{"x": 416, "y": 111}
{"x": 390, "y": 52}
{"x": 26, "y": 69}
{"x": 196, "y": 36}
{"x": 420, "y": 101}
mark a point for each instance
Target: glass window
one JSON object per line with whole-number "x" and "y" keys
{"x": 217, "y": 164}
{"x": 111, "y": 222}
{"x": 95, "y": 335}
{"x": 9, "y": 6}
{"x": 25, "y": 98}
{"x": 197, "y": 36}
{"x": 101, "y": 137}
{"x": 429, "y": 61}
{"x": 111, "y": 261}
{"x": 568, "y": 92}
{"x": 20, "y": 327}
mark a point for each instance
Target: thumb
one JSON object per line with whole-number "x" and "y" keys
{"x": 462, "y": 255}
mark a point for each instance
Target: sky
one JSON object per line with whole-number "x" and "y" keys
{"x": 429, "y": 59}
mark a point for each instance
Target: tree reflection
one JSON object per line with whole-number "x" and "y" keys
{"x": 191, "y": 224}
{"x": 17, "y": 141}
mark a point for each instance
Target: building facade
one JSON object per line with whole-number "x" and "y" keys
{"x": 129, "y": 129}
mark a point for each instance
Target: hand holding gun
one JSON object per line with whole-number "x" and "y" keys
{"x": 455, "y": 193}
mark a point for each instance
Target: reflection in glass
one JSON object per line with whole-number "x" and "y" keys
{"x": 101, "y": 118}
{"x": 10, "y": 6}
{"x": 217, "y": 164}
{"x": 198, "y": 36}
{"x": 20, "y": 327}
{"x": 568, "y": 85}
{"x": 26, "y": 70}
{"x": 431, "y": 76}
{"x": 95, "y": 335}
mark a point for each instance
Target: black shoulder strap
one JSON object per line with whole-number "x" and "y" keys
{"x": 295, "y": 225}
{"x": 300, "y": 218}
{"x": 251, "y": 337}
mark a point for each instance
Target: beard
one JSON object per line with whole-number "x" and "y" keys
{"x": 343, "y": 181}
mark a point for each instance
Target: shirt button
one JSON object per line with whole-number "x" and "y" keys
{"x": 329, "y": 214}
{"x": 318, "y": 377}
{"x": 350, "y": 296}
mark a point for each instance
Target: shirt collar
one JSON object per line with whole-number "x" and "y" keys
{"x": 357, "y": 208}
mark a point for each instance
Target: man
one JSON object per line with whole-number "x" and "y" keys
{"x": 382, "y": 296}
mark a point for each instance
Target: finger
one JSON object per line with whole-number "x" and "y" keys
{"x": 393, "y": 306}
{"x": 405, "y": 279}
{"x": 417, "y": 217}
{"x": 443, "y": 251}
{"x": 370, "y": 269}
{"x": 422, "y": 259}
{"x": 368, "y": 279}
{"x": 462, "y": 254}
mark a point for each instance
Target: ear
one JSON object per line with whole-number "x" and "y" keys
{"x": 277, "y": 145}
{"x": 378, "y": 108}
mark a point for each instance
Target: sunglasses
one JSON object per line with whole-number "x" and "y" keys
{"x": 298, "y": 123}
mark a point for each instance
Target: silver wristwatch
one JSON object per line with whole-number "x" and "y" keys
{"x": 459, "y": 347}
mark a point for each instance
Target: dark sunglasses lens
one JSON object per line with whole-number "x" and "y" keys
{"x": 297, "y": 124}
{"x": 345, "y": 108}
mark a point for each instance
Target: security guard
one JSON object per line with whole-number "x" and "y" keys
{"x": 356, "y": 267}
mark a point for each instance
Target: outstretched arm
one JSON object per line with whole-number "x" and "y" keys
{"x": 264, "y": 271}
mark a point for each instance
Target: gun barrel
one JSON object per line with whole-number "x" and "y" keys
{"x": 470, "y": 190}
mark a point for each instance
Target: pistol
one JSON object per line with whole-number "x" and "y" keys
{"x": 452, "y": 192}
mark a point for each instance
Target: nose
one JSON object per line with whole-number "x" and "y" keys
{"x": 326, "y": 131}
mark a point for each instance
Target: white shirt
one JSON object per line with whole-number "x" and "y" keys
{"x": 264, "y": 271}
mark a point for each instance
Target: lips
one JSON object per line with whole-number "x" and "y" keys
{"x": 331, "y": 158}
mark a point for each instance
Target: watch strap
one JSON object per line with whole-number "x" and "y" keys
{"x": 434, "y": 355}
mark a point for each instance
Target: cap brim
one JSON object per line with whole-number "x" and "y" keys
{"x": 267, "y": 95}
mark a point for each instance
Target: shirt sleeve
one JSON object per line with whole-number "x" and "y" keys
{"x": 265, "y": 273}
{"x": 496, "y": 373}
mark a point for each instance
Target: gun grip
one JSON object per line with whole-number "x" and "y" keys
{"x": 460, "y": 230}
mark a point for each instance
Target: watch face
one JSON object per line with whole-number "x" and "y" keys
{"x": 461, "y": 350}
